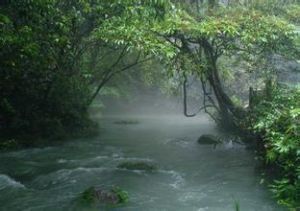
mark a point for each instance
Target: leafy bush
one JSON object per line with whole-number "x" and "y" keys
{"x": 278, "y": 122}
{"x": 293, "y": 13}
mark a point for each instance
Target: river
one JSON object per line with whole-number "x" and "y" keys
{"x": 190, "y": 176}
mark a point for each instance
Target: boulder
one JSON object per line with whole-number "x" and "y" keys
{"x": 208, "y": 139}
{"x": 106, "y": 196}
{"x": 110, "y": 196}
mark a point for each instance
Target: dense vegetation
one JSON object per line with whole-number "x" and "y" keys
{"x": 57, "y": 57}
{"x": 277, "y": 121}
{"x": 53, "y": 66}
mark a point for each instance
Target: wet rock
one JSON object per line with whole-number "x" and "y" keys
{"x": 208, "y": 139}
{"x": 144, "y": 166}
{"x": 107, "y": 196}
{"x": 111, "y": 196}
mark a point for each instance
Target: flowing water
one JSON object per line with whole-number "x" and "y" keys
{"x": 190, "y": 176}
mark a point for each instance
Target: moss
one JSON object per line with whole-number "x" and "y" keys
{"x": 88, "y": 196}
{"x": 145, "y": 166}
{"x": 122, "y": 195}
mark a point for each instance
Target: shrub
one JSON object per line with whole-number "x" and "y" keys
{"x": 278, "y": 122}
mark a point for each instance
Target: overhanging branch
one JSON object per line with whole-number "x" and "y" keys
{"x": 110, "y": 73}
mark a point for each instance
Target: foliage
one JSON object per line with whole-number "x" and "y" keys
{"x": 248, "y": 35}
{"x": 278, "y": 122}
{"x": 56, "y": 56}
{"x": 139, "y": 30}
{"x": 292, "y": 13}
{"x": 286, "y": 9}
{"x": 233, "y": 31}
{"x": 42, "y": 90}
{"x": 52, "y": 65}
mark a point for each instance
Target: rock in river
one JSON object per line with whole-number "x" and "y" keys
{"x": 208, "y": 139}
{"x": 112, "y": 196}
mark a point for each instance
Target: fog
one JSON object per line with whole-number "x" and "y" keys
{"x": 152, "y": 101}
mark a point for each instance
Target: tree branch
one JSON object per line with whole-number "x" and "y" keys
{"x": 109, "y": 74}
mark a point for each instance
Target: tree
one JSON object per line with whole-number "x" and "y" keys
{"x": 51, "y": 66}
{"x": 195, "y": 46}
{"x": 226, "y": 34}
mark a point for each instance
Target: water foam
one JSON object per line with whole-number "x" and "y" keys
{"x": 68, "y": 172}
{"x": 87, "y": 160}
{"x": 179, "y": 180}
{"x": 6, "y": 181}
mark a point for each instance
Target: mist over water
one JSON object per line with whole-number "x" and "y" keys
{"x": 189, "y": 176}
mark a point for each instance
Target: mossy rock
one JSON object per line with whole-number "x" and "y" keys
{"x": 113, "y": 196}
{"x": 144, "y": 166}
{"x": 208, "y": 139}
{"x": 121, "y": 194}
{"x": 88, "y": 196}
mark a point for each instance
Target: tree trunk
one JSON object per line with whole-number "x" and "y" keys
{"x": 229, "y": 112}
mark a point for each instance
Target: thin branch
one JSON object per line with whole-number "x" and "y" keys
{"x": 109, "y": 75}
{"x": 106, "y": 74}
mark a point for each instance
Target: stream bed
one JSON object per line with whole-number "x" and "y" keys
{"x": 190, "y": 177}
